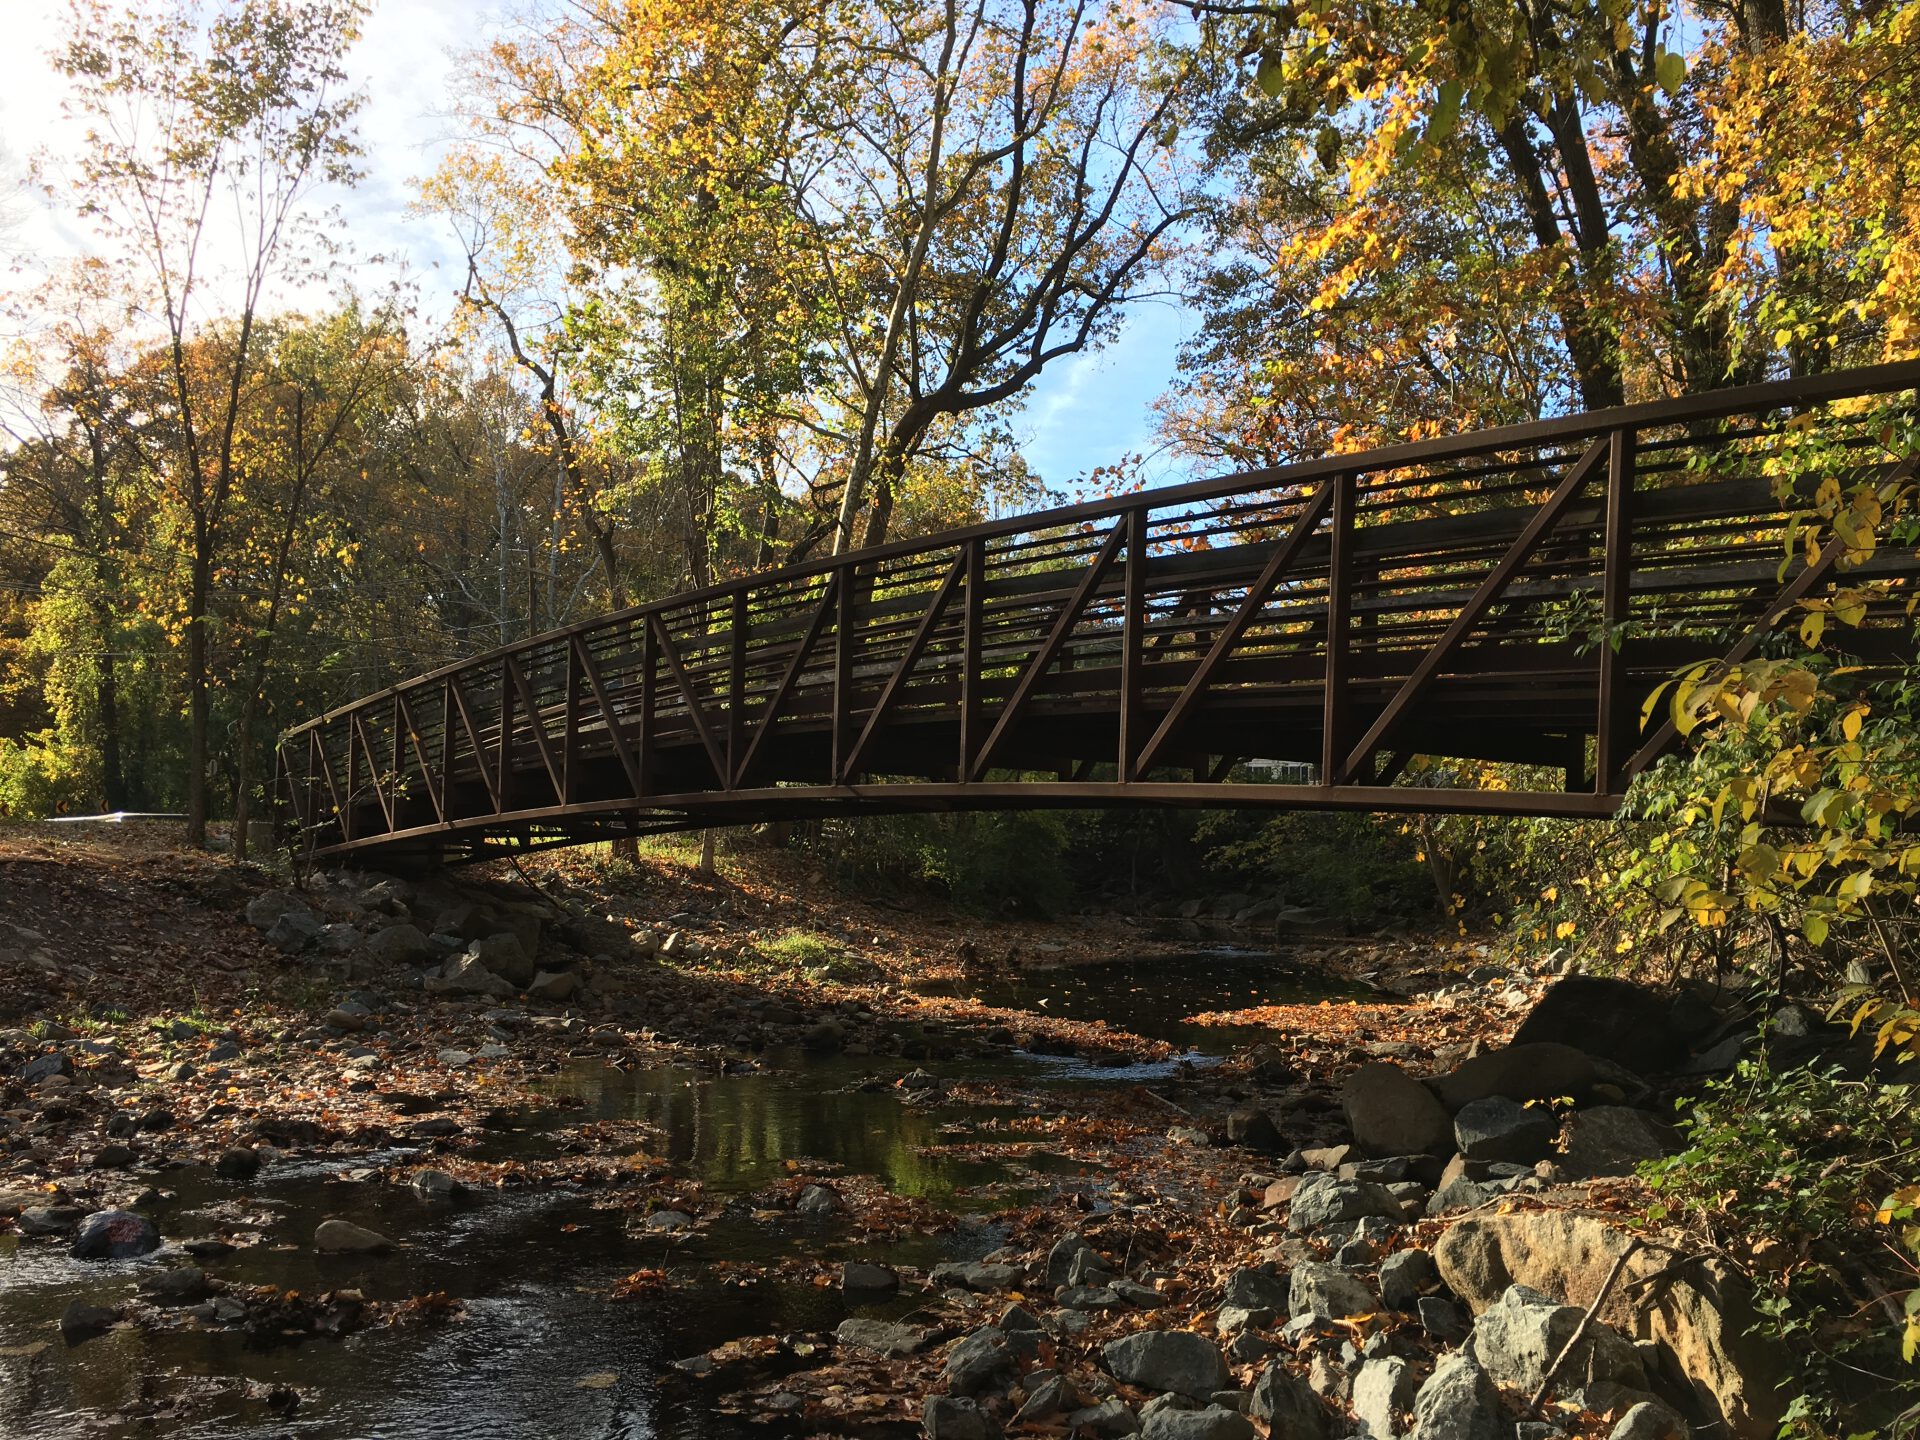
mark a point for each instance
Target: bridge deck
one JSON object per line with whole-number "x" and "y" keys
{"x": 1513, "y": 595}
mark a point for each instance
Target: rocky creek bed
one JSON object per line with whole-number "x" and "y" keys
{"x": 384, "y": 1158}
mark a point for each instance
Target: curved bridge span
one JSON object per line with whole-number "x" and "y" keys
{"x": 1309, "y": 636}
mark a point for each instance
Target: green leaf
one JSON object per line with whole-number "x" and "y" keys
{"x": 1270, "y": 77}
{"x": 1670, "y": 71}
{"x": 1446, "y": 112}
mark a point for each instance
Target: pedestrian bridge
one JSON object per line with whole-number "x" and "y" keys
{"x": 1327, "y": 634}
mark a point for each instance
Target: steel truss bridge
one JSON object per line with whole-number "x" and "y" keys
{"x": 1510, "y": 595}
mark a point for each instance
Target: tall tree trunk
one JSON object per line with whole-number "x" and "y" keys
{"x": 199, "y": 718}
{"x": 113, "y": 780}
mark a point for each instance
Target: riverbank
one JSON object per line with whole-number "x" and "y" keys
{"x": 704, "y": 1156}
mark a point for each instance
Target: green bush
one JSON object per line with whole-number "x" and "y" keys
{"x": 1783, "y": 1171}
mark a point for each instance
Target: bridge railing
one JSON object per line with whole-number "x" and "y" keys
{"x": 1345, "y": 611}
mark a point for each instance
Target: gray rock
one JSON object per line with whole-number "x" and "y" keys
{"x": 1176, "y": 1360}
{"x": 950, "y": 1417}
{"x": 554, "y": 986}
{"x": 1110, "y": 1418}
{"x": 1497, "y": 1128}
{"x": 1329, "y": 1292}
{"x": 1515, "y": 1339}
{"x": 174, "y": 1289}
{"x": 506, "y": 957}
{"x": 1626, "y": 1023}
{"x": 1143, "y": 1297}
{"x": 1047, "y": 1396}
{"x": 343, "y": 1237}
{"x": 81, "y": 1321}
{"x": 1405, "y": 1276}
{"x": 1461, "y": 1194}
{"x": 1520, "y": 1072}
{"x": 115, "y": 1235}
{"x": 42, "y": 1220}
{"x": 1062, "y": 1257}
{"x": 882, "y": 1337}
{"x": 1088, "y": 1297}
{"x": 817, "y": 1200}
{"x": 1232, "y": 1319}
{"x": 1459, "y": 1402}
{"x": 400, "y": 945}
{"x": 295, "y": 931}
{"x": 1615, "y": 1140}
{"x": 465, "y": 975}
{"x": 1383, "y": 1391}
{"x": 1213, "y": 1423}
{"x": 240, "y": 1163}
{"x": 667, "y": 1222}
{"x": 1247, "y": 1348}
{"x": 1651, "y": 1420}
{"x": 1704, "y": 1318}
{"x": 1251, "y": 1289}
{"x": 1324, "y": 1200}
{"x": 864, "y": 1279}
{"x": 1391, "y": 1113}
{"x": 433, "y": 1185}
{"x": 1018, "y": 1317}
{"x": 977, "y": 1275}
{"x": 1289, "y": 1406}
{"x": 1443, "y": 1320}
{"x": 44, "y": 1067}
{"x": 270, "y": 905}
{"x": 979, "y": 1363}
{"x": 1254, "y": 1128}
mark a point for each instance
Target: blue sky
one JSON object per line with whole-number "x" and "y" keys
{"x": 1086, "y": 410}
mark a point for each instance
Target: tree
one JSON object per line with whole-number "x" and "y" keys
{"x": 207, "y": 135}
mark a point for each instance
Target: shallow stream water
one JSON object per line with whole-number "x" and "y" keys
{"x": 535, "y": 1264}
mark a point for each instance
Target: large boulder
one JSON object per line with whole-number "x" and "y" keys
{"x": 980, "y": 1363}
{"x": 951, "y": 1417}
{"x": 1459, "y": 1402}
{"x": 1497, "y": 1129}
{"x": 1383, "y": 1391}
{"x": 1328, "y": 1200}
{"x": 1519, "y": 1072}
{"x": 465, "y": 975}
{"x": 1521, "y": 1334}
{"x": 1615, "y": 1140}
{"x": 1391, "y": 1113}
{"x": 1626, "y": 1023}
{"x": 401, "y": 944}
{"x": 506, "y": 957}
{"x": 1700, "y": 1315}
{"x": 1176, "y": 1360}
{"x": 1287, "y": 1403}
{"x": 1328, "y": 1291}
{"x": 115, "y": 1235}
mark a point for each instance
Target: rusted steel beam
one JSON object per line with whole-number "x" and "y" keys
{"x": 536, "y": 722}
{"x": 816, "y": 623}
{"x": 405, "y": 708}
{"x": 1049, "y": 650}
{"x": 922, "y": 633}
{"x": 609, "y": 714}
{"x": 1474, "y": 610}
{"x": 459, "y": 693}
{"x": 695, "y": 710}
{"x": 1617, "y": 572}
{"x": 1256, "y": 598}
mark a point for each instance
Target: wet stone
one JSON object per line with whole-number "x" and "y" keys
{"x": 343, "y": 1237}
{"x": 240, "y": 1163}
{"x": 82, "y": 1320}
{"x": 882, "y": 1337}
{"x": 115, "y": 1235}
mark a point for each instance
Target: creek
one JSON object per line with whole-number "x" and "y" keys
{"x": 535, "y": 1265}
